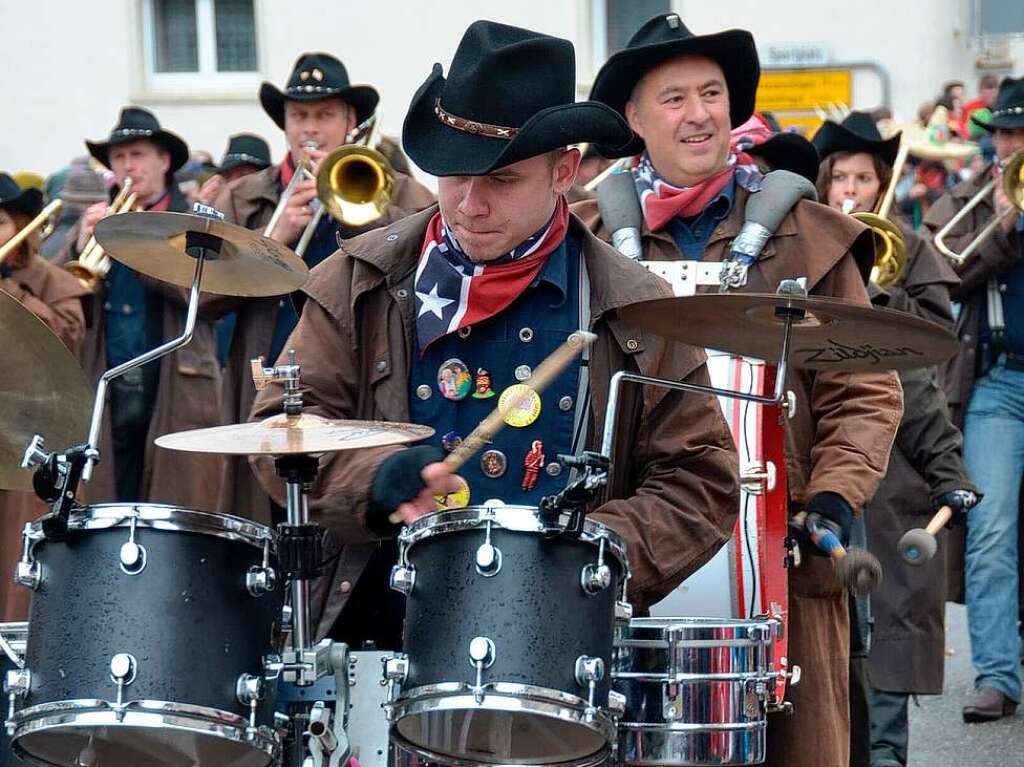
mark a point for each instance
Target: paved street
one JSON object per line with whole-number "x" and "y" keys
{"x": 938, "y": 735}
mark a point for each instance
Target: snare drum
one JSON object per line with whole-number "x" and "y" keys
{"x": 696, "y": 690}
{"x": 12, "y": 658}
{"x": 150, "y": 626}
{"x": 509, "y": 631}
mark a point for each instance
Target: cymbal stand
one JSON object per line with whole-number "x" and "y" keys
{"x": 79, "y": 461}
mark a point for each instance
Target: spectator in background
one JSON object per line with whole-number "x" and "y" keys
{"x": 79, "y": 186}
{"x": 988, "y": 88}
{"x": 246, "y": 154}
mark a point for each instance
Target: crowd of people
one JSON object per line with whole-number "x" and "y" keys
{"x": 482, "y": 278}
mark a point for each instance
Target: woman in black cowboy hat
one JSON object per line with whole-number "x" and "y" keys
{"x": 984, "y": 384}
{"x": 489, "y": 280}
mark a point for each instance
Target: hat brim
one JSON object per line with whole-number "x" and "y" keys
{"x": 733, "y": 50}
{"x": 363, "y": 98}
{"x": 234, "y": 162}
{"x": 788, "y": 151}
{"x": 442, "y": 150}
{"x": 174, "y": 146}
{"x": 833, "y": 137}
{"x": 1003, "y": 122}
{"x": 29, "y": 202}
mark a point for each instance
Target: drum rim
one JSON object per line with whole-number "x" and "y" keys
{"x": 511, "y": 518}
{"x": 679, "y": 632}
{"x": 395, "y": 738}
{"x": 176, "y": 716}
{"x": 629, "y": 734}
{"x": 691, "y": 727}
{"x": 162, "y": 516}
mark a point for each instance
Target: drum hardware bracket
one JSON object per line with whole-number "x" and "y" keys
{"x": 759, "y": 477}
{"x": 792, "y": 557}
{"x": 133, "y": 556}
{"x": 596, "y": 578}
{"x": 123, "y": 669}
{"x": 261, "y": 579}
{"x": 299, "y": 551}
{"x": 403, "y": 578}
{"x": 17, "y": 683}
{"x": 488, "y": 556}
{"x": 303, "y": 667}
{"x": 591, "y": 474}
{"x": 396, "y": 671}
{"x": 287, "y": 374}
{"x": 249, "y": 690}
{"x": 754, "y": 698}
{"x": 589, "y": 672}
{"x": 28, "y": 572}
{"x": 481, "y": 656}
{"x": 55, "y": 481}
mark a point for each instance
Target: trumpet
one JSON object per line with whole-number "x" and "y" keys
{"x": 43, "y": 219}
{"x": 93, "y": 263}
{"x": 1012, "y": 178}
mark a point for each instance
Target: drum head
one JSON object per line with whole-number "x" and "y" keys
{"x": 134, "y": 746}
{"x": 478, "y": 736}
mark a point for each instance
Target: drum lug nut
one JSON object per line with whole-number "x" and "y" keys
{"x": 260, "y": 580}
{"x": 249, "y": 691}
{"x": 132, "y": 555}
{"x": 488, "y": 556}
{"x": 481, "y": 656}
{"x": 123, "y": 667}
{"x": 396, "y": 671}
{"x": 403, "y": 578}
{"x": 595, "y": 578}
{"x": 617, "y": 703}
{"x": 623, "y": 612}
{"x": 17, "y": 683}
{"x": 589, "y": 671}
{"x": 28, "y": 574}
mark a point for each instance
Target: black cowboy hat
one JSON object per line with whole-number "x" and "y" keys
{"x": 509, "y": 95}
{"x": 13, "y": 197}
{"x": 245, "y": 149}
{"x": 857, "y": 133}
{"x": 789, "y": 151}
{"x": 135, "y": 124}
{"x": 315, "y": 77}
{"x": 1008, "y": 111}
{"x": 666, "y": 37}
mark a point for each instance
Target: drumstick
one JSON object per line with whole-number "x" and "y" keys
{"x": 544, "y": 374}
{"x": 940, "y": 520}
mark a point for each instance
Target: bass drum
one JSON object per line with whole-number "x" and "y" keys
{"x": 150, "y": 628}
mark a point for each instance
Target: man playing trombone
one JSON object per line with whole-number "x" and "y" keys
{"x": 319, "y": 111}
{"x": 980, "y": 224}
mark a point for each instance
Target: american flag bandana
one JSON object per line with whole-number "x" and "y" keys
{"x": 661, "y": 201}
{"x": 452, "y": 292}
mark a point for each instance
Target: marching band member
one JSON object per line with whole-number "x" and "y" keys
{"x": 682, "y": 94}
{"x": 55, "y": 297}
{"x": 985, "y": 384}
{"x": 319, "y": 106}
{"x": 246, "y": 154}
{"x": 926, "y": 468}
{"x": 432, "y": 318}
{"x": 132, "y": 314}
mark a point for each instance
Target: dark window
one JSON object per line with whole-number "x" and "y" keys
{"x": 175, "y": 41}
{"x": 625, "y": 17}
{"x": 236, "y": 35}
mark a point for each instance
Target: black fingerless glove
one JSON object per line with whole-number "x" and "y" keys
{"x": 960, "y": 501}
{"x": 833, "y": 512}
{"x": 399, "y": 479}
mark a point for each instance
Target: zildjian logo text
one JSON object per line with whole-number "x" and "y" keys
{"x": 837, "y": 352}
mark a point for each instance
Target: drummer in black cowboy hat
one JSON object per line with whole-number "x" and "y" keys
{"x": 318, "y": 107}
{"x": 683, "y": 94}
{"x": 246, "y": 154}
{"x": 132, "y": 314}
{"x": 983, "y": 383}
{"x": 450, "y": 308}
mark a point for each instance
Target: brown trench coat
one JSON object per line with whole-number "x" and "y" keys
{"x": 188, "y": 393}
{"x": 823, "y": 452}
{"x": 908, "y": 638}
{"x": 250, "y": 201}
{"x": 54, "y": 296}
{"x": 674, "y": 493}
{"x": 999, "y": 253}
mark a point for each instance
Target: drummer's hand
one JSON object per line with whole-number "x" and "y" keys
{"x": 92, "y": 216}
{"x": 439, "y": 480}
{"x": 208, "y": 191}
{"x": 297, "y": 213}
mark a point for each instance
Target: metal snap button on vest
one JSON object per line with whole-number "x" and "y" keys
{"x": 464, "y": 332}
{"x": 391, "y": 237}
{"x": 523, "y": 372}
{"x": 381, "y": 366}
{"x": 553, "y": 469}
{"x": 402, "y": 293}
{"x": 632, "y": 345}
{"x": 424, "y": 392}
{"x": 565, "y": 404}
{"x": 345, "y": 586}
{"x": 526, "y": 335}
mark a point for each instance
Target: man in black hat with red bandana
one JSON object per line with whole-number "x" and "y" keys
{"x": 318, "y": 110}
{"x": 985, "y": 385}
{"x": 491, "y": 281}
{"x": 684, "y": 95}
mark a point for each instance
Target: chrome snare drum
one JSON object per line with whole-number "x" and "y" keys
{"x": 509, "y": 630}
{"x": 149, "y": 629}
{"x": 696, "y": 690}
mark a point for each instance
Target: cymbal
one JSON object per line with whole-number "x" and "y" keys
{"x": 43, "y": 390}
{"x": 153, "y": 243}
{"x": 290, "y": 435}
{"x": 834, "y": 334}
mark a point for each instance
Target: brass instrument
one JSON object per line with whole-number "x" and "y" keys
{"x": 1012, "y": 178}
{"x": 43, "y": 219}
{"x": 304, "y": 171}
{"x": 93, "y": 263}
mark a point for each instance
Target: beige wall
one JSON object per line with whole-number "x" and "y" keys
{"x": 68, "y": 65}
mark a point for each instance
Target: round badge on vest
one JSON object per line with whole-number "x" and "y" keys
{"x": 453, "y": 379}
{"x": 455, "y": 500}
{"x": 520, "y": 405}
{"x": 493, "y": 464}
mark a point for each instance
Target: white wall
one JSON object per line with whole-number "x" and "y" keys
{"x": 67, "y": 66}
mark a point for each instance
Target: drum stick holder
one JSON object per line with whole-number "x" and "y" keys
{"x": 590, "y": 472}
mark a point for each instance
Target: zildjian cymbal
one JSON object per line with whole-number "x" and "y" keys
{"x": 155, "y": 244}
{"x": 833, "y": 334}
{"x": 291, "y": 435}
{"x": 43, "y": 390}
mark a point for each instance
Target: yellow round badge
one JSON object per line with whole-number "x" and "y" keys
{"x": 457, "y": 500}
{"x": 520, "y": 405}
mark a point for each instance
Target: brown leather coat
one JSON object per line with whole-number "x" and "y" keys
{"x": 674, "y": 492}
{"x": 250, "y": 201}
{"x": 54, "y": 296}
{"x": 838, "y": 440}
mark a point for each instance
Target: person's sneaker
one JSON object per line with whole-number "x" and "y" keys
{"x": 987, "y": 705}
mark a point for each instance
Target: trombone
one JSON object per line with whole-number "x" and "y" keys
{"x": 44, "y": 218}
{"x": 93, "y": 263}
{"x": 890, "y": 246}
{"x": 1012, "y": 177}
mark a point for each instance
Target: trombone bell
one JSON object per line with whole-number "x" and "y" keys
{"x": 890, "y": 249}
{"x": 355, "y": 184}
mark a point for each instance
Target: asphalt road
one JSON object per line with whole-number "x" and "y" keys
{"x": 938, "y": 734}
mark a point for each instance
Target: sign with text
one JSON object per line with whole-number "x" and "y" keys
{"x": 795, "y": 95}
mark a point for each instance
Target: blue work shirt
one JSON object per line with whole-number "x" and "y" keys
{"x": 692, "y": 234}
{"x": 523, "y": 334}
{"x": 124, "y": 306}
